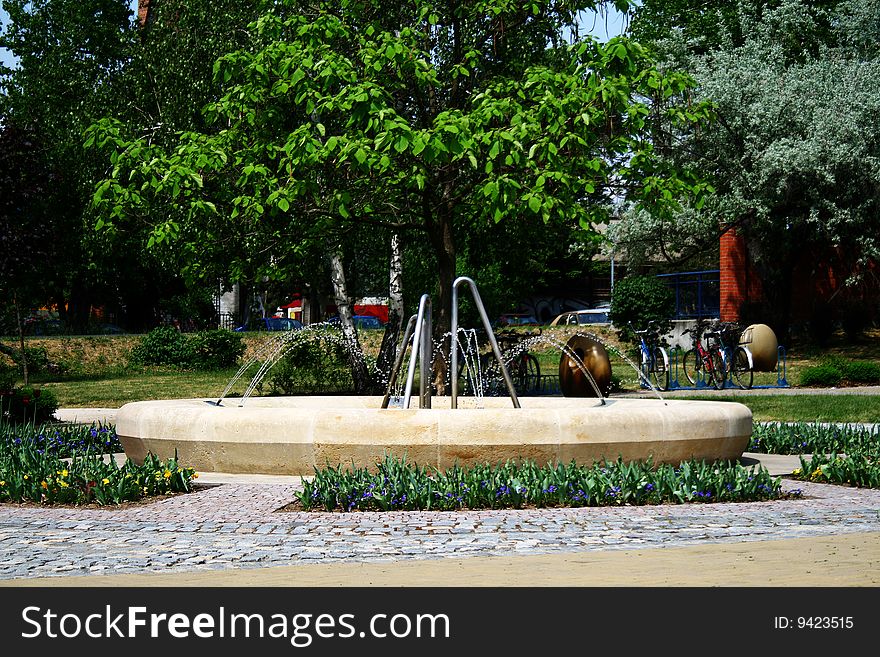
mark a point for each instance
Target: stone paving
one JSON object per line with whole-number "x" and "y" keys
{"x": 240, "y": 525}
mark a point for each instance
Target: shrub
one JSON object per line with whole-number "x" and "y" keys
{"x": 206, "y": 350}
{"x": 314, "y": 365}
{"x": 216, "y": 349}
{"x": 861, "y": 371}
{"x": 825, "y": 375}
{"x": 640, "y": 300}
{"x": 8, "y": 376}
{"x": 164, "y": 345}
{"x": 28, "y": 404}
{"x": 834, "y": 370}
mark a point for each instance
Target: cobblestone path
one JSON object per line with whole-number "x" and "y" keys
{"x": 239, "y": 525}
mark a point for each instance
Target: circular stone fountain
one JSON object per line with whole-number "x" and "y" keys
{"x": 295, "y": 435}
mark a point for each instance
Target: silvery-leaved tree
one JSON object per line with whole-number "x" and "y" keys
{"x": 422, "y": 116}
{"x": 794, "y": 155}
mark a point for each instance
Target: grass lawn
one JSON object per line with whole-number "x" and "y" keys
{"x": 119, "y": 389}
{"x": 98, "y": 374}
{"x": 806, "y": 408}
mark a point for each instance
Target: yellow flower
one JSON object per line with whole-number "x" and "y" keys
{"x": 64, "y": 472}
{"x": 195, "y": 475}
{"x": 44, "y": 484}
{"x": 796, "y": 471}
{"x": 105, "y": 481}
{"x": 168, "y": 474}
{"x": 27, "y": 476}
{"x": 2, "y": 483}
{"x": 64, "y": 484}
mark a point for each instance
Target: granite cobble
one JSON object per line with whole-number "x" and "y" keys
{"x": 241, "y": 525}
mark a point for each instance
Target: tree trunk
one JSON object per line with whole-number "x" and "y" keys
{"x": 443, "y": 241}
{"x": 356, "y": 361}
{"x": 388, "y": 349}
{"x": 20, "y": 326}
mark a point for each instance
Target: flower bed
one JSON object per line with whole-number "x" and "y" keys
{"x": 51, "y": 465}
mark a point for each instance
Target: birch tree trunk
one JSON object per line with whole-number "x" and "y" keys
{"x": 356, "y": 361}
{"x": 388, "y": 349}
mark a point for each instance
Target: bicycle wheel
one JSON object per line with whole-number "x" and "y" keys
{"x": 530, "y": 373}
{"x": 692, "y": 366}
{"x": 719, "y": 371}
{"x": 660, "y": 368}
{"x": 743, "y": 375}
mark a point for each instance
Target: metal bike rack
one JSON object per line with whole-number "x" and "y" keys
{"x": 702, "y": 384}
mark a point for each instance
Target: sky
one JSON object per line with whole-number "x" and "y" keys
{"x": 603, "y": 27}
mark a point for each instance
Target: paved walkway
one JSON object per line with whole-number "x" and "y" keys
{"x": 231, "y": 531}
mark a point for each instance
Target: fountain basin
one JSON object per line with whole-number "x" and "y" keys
{"x": 294, "y": 435}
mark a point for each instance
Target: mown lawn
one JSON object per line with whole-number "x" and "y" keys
{"x": 98, "y": 375}
{"x": 806, "y": 408}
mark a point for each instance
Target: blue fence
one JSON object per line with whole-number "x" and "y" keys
{"x": 697, "y": 293}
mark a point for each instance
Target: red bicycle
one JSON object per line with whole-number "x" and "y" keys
{"x": 704, "y": 364}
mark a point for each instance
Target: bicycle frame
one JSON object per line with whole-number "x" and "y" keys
{"x": 649, "y": 364}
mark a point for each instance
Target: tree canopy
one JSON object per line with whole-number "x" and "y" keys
{"x": 428, "y": 116}
{"x": 794, "y": 153}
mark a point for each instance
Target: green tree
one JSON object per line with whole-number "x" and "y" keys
{"x": 69, "y": 72}
{"x": 28, "y": 230}
{"x": 706, "y": 25}
{"x": 428, "y": 116}
{"x": 794, "y": 155}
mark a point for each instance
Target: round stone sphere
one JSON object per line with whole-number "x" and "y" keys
{"x": 762, "y": 342}
{"x": 572, "y": 380}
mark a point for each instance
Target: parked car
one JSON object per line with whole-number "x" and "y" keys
{"x": 516, "y": 319}
{"x": 582, "y": 317}
{"x": 360, "y": 321}
{"x": 273, "y": 324}
{"x": 366, "y": 322}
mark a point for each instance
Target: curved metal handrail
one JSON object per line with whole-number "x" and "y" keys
{"x": 488, "y": 326}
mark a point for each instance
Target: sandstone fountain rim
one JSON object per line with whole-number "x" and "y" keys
{"x": 294, "y": 435}
{"x": 439, "y": 404}
{"x": 534, "y": 412}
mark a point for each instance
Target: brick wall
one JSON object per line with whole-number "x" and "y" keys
{"x": 818, "y": 277}
{"x": 737, "y": 281}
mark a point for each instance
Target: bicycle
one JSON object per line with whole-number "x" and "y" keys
{"x": 654, "y": 364}
{"x": 524, "y": 369}
{"x": 705, "y": 363}
{"x": 739, "y": 359}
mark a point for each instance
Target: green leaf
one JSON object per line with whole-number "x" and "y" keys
{"x": 534, "y": 204}
{"x": 361, "y": 155}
